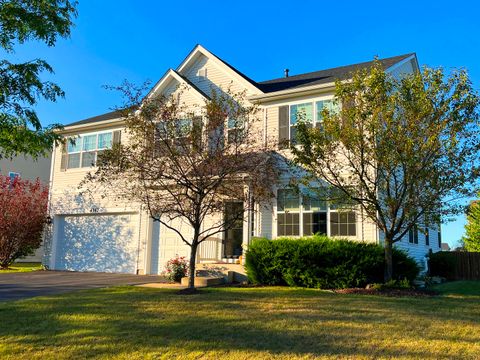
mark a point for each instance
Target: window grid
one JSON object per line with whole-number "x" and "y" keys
{"x": 310, "y": 112}
{"x": 83, "y": 152}
{"x": 301, "y": 215}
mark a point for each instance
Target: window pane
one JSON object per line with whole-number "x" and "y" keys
{"x": 311, "y": 202}
{"x": 76, "y": 146}
{"x": 314, "y": 223}
{"x": 88, "y": 159}
{"x": 183, "y": 127}
{"x": 281, "y": 224}
{"x": 302, "y": 112}
{"x": 74, "y": 161}
{"x": 287, "y": 200}
{"x": 343, "y": 224}
{"x": 89, "y": 142}
{"x": 105, "y": 141}
{"x": 352, "y": 229}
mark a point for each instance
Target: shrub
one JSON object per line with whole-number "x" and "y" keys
{"x": 176, "y": 269}
{"x": 442, "y": 264}
{"x": 320, "y": 262}
{"x": 23, "y": 214}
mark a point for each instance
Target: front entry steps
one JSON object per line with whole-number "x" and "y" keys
{"x": 204, "y": 281}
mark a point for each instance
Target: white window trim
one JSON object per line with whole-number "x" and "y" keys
{"x": 306, "y": 101}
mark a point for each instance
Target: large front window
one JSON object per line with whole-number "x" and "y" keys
{"x": 83, "y": 150}
{"x": 305, "y": 214}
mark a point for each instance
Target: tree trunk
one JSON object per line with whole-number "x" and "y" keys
{"x": 388, "y": 273}
{"x": 193, "y": 258}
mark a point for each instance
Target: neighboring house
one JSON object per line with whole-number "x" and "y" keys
{"x": 28, "y": 168}
{"x": 95, "y": 234}
{"x": 445, "y": 247}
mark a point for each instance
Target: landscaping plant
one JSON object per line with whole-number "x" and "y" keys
{"x": 23, "y": 214}
{"x": 320, "y": 262}
{"x": 176, "y": 269}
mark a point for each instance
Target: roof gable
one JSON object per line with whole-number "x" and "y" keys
{"x": 232, "y": 72}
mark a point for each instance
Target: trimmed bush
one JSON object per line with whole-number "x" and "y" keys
{"x": 320, "y": 262}
{"x": 442, "y": 264}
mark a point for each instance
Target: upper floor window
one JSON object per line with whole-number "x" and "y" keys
{"x": 179, "y": 132}
{"x": 413, "y": 235}
{"x": 83, "y": 150}
{"x": 235, "y": 130}
{"x": 310, "y": 112}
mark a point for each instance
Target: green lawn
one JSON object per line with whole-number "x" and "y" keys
{"x": 459, "y": 288}
{"x": 23, "y": 267}
{"x": 238, "y": 323}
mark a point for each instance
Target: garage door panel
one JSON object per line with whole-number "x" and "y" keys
{"x": 103, "y": 243}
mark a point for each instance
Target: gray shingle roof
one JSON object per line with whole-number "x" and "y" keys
{"x": 323, "y": 76}
{"x": 107, "y": 116}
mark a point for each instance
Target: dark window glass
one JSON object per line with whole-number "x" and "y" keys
{"x": 288, "y": 224}
{"x": 314, "y": 223}
{"x": 343, "y": 224}
{"x": 427, "y": 237}
{"x": 413, "y": 235}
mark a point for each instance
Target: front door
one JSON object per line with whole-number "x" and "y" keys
{"x": 233, "y": 237}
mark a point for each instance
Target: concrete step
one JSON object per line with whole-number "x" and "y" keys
{"x": 204, "y": 281}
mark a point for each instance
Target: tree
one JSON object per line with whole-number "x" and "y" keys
{"x": 23, "y": 214}
{"x": 471, "y": 240}
{"x": 402, "y": 150}
{"x": 184, "y": 165}
{"x": 20, "y": 84}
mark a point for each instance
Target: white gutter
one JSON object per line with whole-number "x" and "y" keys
{"x": 284, "y": 94}
{"x": 101, "y": 123}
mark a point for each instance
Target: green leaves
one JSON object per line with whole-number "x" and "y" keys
{"x": 21, "y": 86}
{"x": 44, "y": 20}
{"x": 472, "y": 228}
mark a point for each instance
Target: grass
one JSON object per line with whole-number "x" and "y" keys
{"x": 23, "y": 267}
{"x": 459, "y": 288}
{"x": 238, "y": 323}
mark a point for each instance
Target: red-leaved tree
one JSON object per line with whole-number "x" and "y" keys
{"x": 23, "y": 214}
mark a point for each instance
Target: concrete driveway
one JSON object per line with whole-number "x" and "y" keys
{"x": 14, "y": 286}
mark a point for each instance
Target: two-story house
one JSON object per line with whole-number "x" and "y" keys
{"x": 100, "y": 234}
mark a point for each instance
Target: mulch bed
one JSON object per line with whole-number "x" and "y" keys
{"x": 388, "y": 292}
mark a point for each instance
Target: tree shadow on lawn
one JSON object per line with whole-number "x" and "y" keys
{"x": 283, "y": 322}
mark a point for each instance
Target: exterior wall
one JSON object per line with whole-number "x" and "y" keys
{"x": 29, "y": 169}
{"x": 420, "y": 250}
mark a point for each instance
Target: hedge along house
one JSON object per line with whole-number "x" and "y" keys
{"x": 100, "y": 234}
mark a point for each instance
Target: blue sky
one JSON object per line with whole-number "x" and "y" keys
{"x": 139, "y": 40}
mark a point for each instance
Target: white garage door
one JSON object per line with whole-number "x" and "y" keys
{"x": 166, "y": 245}
{"x": 104, "y": 243}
